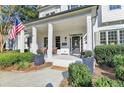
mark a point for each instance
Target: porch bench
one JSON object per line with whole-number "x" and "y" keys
{"x": 63, "y": 51}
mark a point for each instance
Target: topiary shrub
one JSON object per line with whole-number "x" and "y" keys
{"x": 88, "y": 53}
{"x": 79, "y": 75}
{"x": 104, "y": 53}
{"x": 106, "y": 82}
{"x": 119, "y": 73}
{"x": 118, "y": 60}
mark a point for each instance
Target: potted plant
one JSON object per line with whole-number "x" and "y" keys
{"x": 88, "y": 59}
{"x": 39, "y": 57}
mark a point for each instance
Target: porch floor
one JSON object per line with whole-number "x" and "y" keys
{"x": 63, "y": 60}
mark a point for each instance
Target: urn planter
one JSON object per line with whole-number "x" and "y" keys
{"x": 39, "y": 59}
{"x": 89, "y": 61}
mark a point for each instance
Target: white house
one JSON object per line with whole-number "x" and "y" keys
{"x": 70, "y": 29}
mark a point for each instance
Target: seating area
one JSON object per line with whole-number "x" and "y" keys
{"x": 62, "y": 51}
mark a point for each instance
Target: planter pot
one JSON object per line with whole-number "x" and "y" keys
{"x": 39, "y": 59}
{"x": 89, "y": 61}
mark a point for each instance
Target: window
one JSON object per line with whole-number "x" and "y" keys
{"x": 121, "y": 36}
{"x": 112, "y": 37}
{"x": 47, "y": 14}
{"x": 52, "y": 13}
{"x": 113, "y": 7}
{"x": 45, "y": 41}
{"x": 103, "y": 37}
{"x": 73, "y": 6}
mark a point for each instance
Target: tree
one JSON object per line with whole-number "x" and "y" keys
{"x": 7, "y": 16}
{"x": 5, "y": 23}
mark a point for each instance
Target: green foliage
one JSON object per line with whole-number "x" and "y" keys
{"x": 88, "y": 53}
{"x": 23, "y": 65}
{"x": 28, "y": 57}
{"x": 10, "y": 58}
{"x": 27, "y": 12}
{"x": 120, "y": 72}
{"x": 106, "y": 82}
{"x": 79, "y": 75}
{"x": 104, "y": 53}
{"x": 118, "y": 60}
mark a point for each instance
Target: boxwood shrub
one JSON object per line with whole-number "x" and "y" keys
{"x": 79, "y": 75}
{"x": 119, "y": 73}
{"x": 104, "y": 53}
{"x": 118, "y": 60}
{"x": 10, "y": 58}
{"x": 106, "y": 82}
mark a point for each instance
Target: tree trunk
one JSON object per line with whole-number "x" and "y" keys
{"x": 1, "y": 42}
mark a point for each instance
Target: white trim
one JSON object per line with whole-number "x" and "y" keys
{"x": 106, "y": 37}
{"x": 111, "y": 27}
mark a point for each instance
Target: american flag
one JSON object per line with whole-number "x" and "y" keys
{"x": 17, "y": 28}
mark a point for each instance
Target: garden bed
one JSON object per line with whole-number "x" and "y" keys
{"x": 99, "y": 72}
{"x": 32, "y": 67}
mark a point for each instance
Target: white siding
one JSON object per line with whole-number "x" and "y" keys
{"x": 64, "y": 7}
{"x": 43, "y": 13}
{"x": 112, "y": 15}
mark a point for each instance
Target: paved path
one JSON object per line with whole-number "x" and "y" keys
{"x": 41, "y": 78}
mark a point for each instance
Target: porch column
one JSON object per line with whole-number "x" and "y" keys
{"x": 50, "y": 40}
{"x": 22, "y": 41}
{"x": 89, "y": 33}
{"x": 34, "y": 45}
{"x": 18, "y": 43}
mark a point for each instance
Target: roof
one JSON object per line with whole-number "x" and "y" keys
{"x": 63, "y": 12}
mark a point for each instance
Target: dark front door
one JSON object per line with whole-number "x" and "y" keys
{"x": 58, "y": 42}
{"x": 76, "y": 44}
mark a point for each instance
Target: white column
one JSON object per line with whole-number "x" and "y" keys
{"x": 7, "y": 44}
{"x": 118, "y": 36}
{"x": 50, "y": 40}
{"x": 34, "y": 45}
{"x": 89, "y": 33}
{"x": 21, "y": 42}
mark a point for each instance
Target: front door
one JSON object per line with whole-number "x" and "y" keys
{"x": 76, "y": 44}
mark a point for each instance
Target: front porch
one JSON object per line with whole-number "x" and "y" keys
{"x": 68, "y": 36}
{"x": 61, "y": 35}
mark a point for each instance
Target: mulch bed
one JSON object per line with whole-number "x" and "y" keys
{"x": 31, "y": 68}
{"x": 59, "y": 68}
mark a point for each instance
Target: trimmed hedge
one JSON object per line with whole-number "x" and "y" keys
{"x": 23, "y": 65}
{"x": 104, "y": 53}
{"x": 118, "y": 60}
{"x": 119, "y": 73}
{"x": 106, "y": 82}
{"x": 79, "y": 75}
{"x": 10, "y": 58}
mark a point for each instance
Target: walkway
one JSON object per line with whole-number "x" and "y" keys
{"x": 41, "y": 78}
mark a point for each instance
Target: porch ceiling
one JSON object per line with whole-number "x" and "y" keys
{"x": 74, "y": 23}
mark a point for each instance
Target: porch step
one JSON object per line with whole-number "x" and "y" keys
{"x": 62, "y": 62}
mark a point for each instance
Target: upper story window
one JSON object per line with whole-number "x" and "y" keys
{"x": 73, "y": 6}
{"x": 113, "y": 7}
